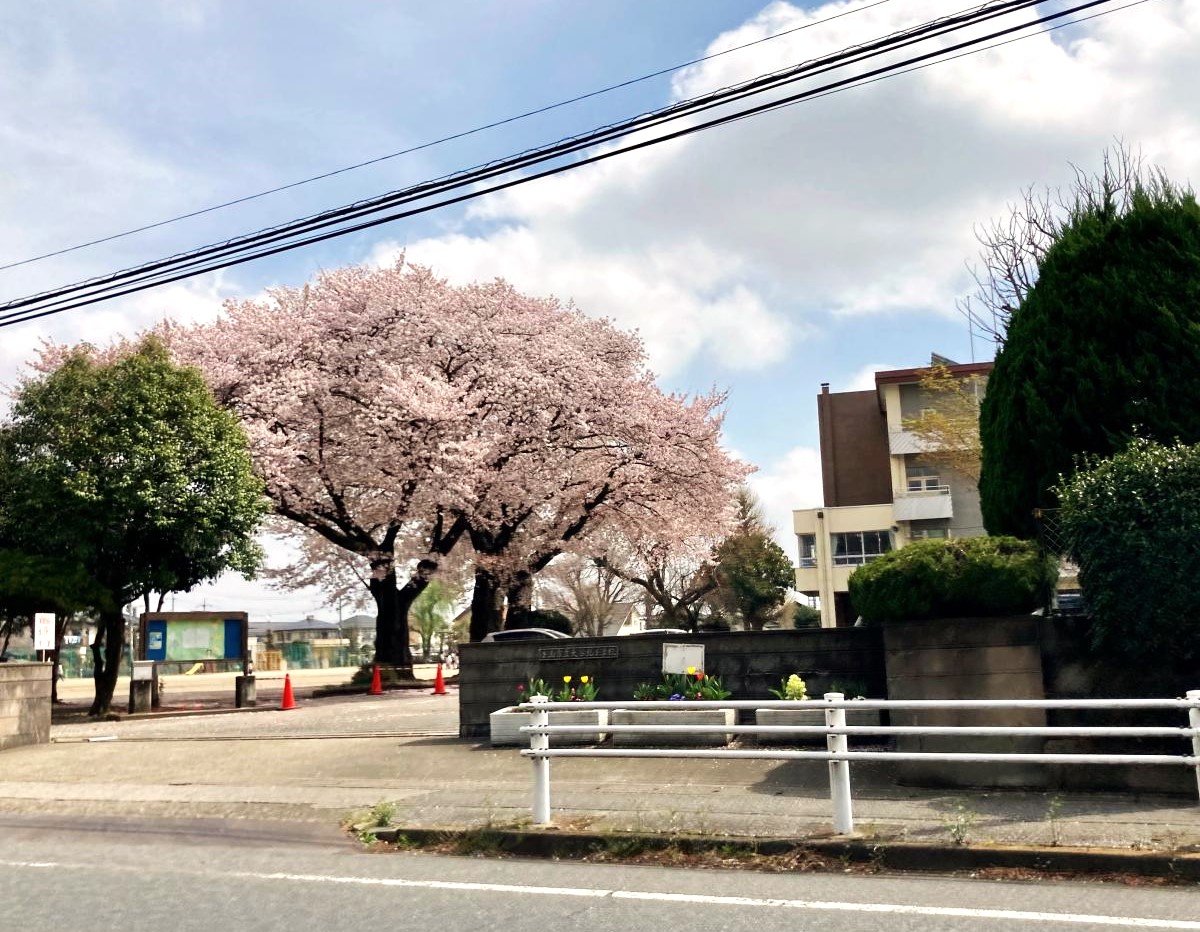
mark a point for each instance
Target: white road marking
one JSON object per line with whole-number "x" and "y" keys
{"x": 698, "y": 898}
{"x": 1128, "y": 922}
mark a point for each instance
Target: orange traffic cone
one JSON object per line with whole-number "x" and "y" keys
{"x": 289, "y": 701}
{"x": 376, "y": 686}
{"x": 439, "y": 684}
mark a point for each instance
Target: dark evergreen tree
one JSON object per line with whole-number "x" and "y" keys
{"x": 1105, "y": 346}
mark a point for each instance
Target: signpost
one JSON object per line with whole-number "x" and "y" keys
{"x": 43, "y": 631}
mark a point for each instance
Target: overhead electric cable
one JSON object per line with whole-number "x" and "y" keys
{"x": 149, "y": 272}
{"x": 165, "y": 272}
{"x": 232, "y": 246}
{"x": 864, "y": 51}
{"x": 437, "y": 142}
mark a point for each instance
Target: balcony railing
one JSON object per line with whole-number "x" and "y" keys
{"x": 928, "y": 505}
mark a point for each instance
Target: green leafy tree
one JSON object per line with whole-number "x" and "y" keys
{"x": 1104, "y": 345}
{"x": 753, "y": 574}
{"x": 127, "y": 468}
{"x": 432, "y": 611}
{"x": 805, "y": 616}
{"x": 1132, "y": 523}
{"x": 753, "y": 578}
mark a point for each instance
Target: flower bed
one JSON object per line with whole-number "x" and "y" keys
{"x": 856, "y": 717}
{"x": 671, "y": 717}
{"x": 506, "y": 725}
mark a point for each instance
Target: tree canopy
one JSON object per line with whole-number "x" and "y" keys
{"x": 752, "y": 574}
{"x": 396, "y": 415}
{"x": 1132, "y": 523}
{"x": 1104, "y": 345}
{"x": 126, "y": 468}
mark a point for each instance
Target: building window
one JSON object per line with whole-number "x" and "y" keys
{"x": 808, "y": 550}
{"x": 853, "y": 548}
{"x": 923, "y": 479}
{"x": 929, "y": 533}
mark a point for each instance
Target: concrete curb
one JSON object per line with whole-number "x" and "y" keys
{"x": 889, "y": 855}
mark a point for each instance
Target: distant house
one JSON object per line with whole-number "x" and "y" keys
{"x": 625, "y": 618}
{"x": 310, "y": 642}
{"x": 360, "y": 629}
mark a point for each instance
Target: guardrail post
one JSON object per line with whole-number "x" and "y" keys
{"x": 839, "y": 770}
{"x": 541, "y": 765}
{"x": 1194, "y": 722}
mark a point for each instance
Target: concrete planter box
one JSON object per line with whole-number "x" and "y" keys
{"x": 671, "y": 717}
{"x": 863, "y": 718}
{"x": 506, "y": 725}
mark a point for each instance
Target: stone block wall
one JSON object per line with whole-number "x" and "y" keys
{"x": 748, "y": 662}
{"x": 24, "y": 704}
{"x": 975, "y": 658}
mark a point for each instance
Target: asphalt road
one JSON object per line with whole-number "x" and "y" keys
{"x": 149, "y": 875}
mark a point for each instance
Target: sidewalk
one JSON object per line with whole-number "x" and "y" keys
{"x": 325, "y": 759}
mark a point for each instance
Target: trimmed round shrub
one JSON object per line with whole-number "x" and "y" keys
{"x": 970, "y": 577}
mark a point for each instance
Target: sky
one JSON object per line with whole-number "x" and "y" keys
{"x": 815, "y": 243}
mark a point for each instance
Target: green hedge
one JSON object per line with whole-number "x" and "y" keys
{"x": 971, "y": 577}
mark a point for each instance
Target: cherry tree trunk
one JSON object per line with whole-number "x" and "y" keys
{"x": 391, "y": 620}
{"x": 485, "y": 605}
{"x": 520, "y": 594}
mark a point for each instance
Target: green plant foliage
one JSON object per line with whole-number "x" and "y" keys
{"x": 791, "y": 687}
{"x": 695, "y": 684}
{"x": 964, "y": 578}
{"x": 129, "y": 470}
{"x": 1105, "y": 345}
{"x": 576, "y": 689}
{"x": 1132, "y": 522}
{"x": 753, "y": 577}
{"x": 431, "y": 611}
{"x": 805, "y": 616}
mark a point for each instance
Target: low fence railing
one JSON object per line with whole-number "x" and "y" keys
{"x": 836, "y": 731}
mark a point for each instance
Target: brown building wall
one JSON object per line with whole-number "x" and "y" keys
{"x": 854, "y": 449}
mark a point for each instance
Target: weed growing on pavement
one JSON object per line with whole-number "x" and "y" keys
{"x": 1052, "y": 810}
{"x": 619, "y": 847}
{"x": 382, "y": 814}
{"x": 959, "y": 822}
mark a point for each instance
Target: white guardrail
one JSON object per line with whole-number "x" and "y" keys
{"x": 835, "y": 730}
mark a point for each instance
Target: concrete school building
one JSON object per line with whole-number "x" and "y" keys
{"x": 879, "y": 491}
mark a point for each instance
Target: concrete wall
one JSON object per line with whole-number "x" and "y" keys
{"x": 976, "y": 658}
{"x": 24, "y": 704}
{"x": 749, "y": 663}
{"x": 1070, "y": 672}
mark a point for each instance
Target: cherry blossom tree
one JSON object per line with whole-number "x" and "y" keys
{"x": 390, "y": 412}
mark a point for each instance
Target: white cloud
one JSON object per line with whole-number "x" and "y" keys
{"x": 864, "y": 379}
{"x": 864, "y": 202}
{"x": 790, "y": 483}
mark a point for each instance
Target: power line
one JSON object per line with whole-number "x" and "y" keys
{"x": 436, "y": 142}
{"x": 225, "y": 255}
{"x": 152, "y": 272}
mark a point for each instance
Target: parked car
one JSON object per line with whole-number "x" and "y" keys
{"x": 660, "y": 631}
{"x": 523, "y": 634}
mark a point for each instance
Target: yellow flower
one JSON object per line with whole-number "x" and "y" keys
{"x": 583, "y": 679}
{"x": 566, "y": 679}
{"x": 692, "y": 671}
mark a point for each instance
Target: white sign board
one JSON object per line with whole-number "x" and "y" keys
{"x": 682, "y": 658}
{"x": 43, "y": 631}
{"x": 143, "y": 670}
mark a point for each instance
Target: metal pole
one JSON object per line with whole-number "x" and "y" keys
{"x": 541, "y": 765}
{"x": 1194, "y": 722}
{"x": 839, "y": 770}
